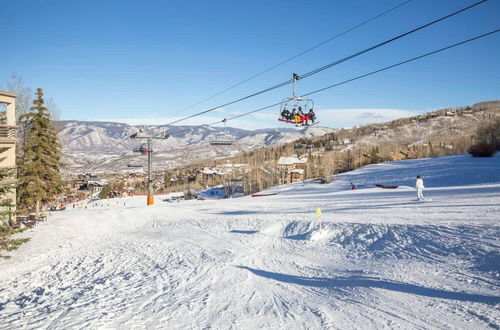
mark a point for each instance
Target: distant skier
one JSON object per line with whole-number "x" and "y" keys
{"x": 419, "y": 185}
{"x": 353, "y": 187}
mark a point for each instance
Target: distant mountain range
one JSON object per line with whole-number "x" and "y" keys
{"x": 90, "y": 146}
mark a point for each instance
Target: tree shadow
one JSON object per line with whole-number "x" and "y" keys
{"x": 490, "y": 262}
{"x": 299, "y": 237}
{"x": 370, "y": 282}
{"x": 246, "y": 232}
{"x": 239, "y": 212}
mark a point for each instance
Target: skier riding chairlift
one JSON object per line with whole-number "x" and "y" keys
{"x": 142, "y": 149}
{"x": 296, "y": 103}
{"x": 311, "y": 115}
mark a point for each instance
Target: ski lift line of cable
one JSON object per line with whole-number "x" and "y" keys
{"x": 292, "y": 58}
{"x": 114, "y": 146}
{"x": 109, "y": 148}
{"x": 346, "y": 81}
{"x": 295, "y": 56}
{"x": 221, "y": 121}
{"x": 331, "y": 64}
{"x": 406, "y": 61}
{"x": 107, "y": 166}
{"x": 349, "y": 80}
{"x": 232, "y": 102}
{"x": 389, "y": 41}
{"x": 327, "y": 66}
{"x": 376, "y": 71}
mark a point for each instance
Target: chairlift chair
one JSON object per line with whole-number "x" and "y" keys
{"x": 133, "y": 165}
{"x": 142, "y": 149}
{"x": 223, "y": 138}
{"x": 289, "y": 104}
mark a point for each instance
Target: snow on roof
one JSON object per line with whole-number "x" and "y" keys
{"x": 298, "y": 170}
{"x": 291, "y": 160}
{"x": 265, "y": 170}
{"x": 234, "y": 165}
{"x": 209, "y": 170}
{"x": 101, "y": 182}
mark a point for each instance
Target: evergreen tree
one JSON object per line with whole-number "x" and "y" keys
{"x": 6, "y": 204}
{"x": 374, "y": 157}
{"x": 39, "y": 176}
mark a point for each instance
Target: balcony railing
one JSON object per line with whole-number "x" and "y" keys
{"x": 7, "y": 132}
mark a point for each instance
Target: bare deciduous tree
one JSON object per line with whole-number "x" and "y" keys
{"x": 25, "y": 94}
{"x": 15, "y": 84}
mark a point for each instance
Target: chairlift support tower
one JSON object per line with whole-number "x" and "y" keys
{"x": 149, "y": 139}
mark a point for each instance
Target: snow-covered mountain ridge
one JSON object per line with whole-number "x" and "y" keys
{"x": 104, "y": 145}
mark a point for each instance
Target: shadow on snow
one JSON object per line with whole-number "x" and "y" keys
{"x": 246, "y": 232}
{"x": 370, "y": 282}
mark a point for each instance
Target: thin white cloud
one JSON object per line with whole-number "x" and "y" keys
{"x": 253, "y": 121}
{"x": 335, "y": 118}
{"x": 200, "y": 120}
{"x": 355, "y": 117}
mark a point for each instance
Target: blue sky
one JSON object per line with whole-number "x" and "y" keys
{"x": 143, "y": 61}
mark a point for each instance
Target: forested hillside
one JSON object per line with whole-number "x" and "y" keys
{"x": 443, "y": 132}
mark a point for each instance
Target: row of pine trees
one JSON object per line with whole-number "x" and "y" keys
{"x": 39, "y": 179}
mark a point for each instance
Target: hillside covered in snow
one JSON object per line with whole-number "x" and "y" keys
{"x": 381, "y": 260}
{"x": 104, "y": 146}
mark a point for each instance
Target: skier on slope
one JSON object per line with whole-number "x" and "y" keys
{"x": 419, "y": 185}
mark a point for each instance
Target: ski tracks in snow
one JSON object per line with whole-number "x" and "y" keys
{"x": 382, "y": 261}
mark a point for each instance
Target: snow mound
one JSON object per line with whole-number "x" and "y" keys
{"x": 319, "y": 235}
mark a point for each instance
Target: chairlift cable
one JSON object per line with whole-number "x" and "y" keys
{"x": 404, "y": 62}
{"x": 347, "y": 81}
{"x": 295, "y": 56}
{"x": 376, "y": 71}
{"x": 388, "y": 41}
{"x": 327, "y": 66}
{"x": 111, "y": 148}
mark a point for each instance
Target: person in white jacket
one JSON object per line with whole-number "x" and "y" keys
{"x": 419, "y": 185}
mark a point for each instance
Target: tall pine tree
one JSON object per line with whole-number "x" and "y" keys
{"x": 39, "y": 176}
{"x": 6, "y": 204}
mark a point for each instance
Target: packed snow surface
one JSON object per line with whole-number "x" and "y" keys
{"x": 381, "y": 259}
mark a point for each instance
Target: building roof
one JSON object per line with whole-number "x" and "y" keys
{"x": 209, "y": 170}
{"x": 234, "y": 165}
{"x": 4, "y": 93}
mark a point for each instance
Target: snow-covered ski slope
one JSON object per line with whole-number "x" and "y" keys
{"x": 384, "y": 260}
